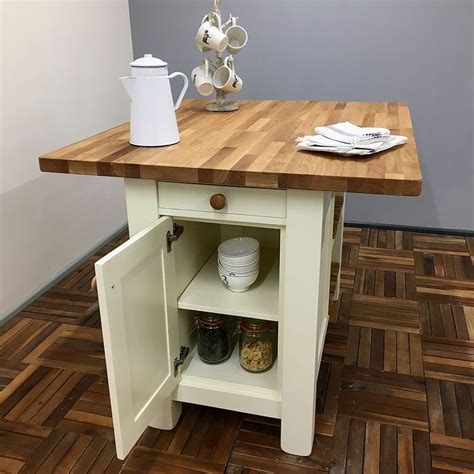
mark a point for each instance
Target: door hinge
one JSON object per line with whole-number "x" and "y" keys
{"x": 183, "y": 353}
{"x": 173, "y": 237}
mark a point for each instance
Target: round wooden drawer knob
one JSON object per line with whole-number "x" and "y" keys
{"x": 217, "y": 201}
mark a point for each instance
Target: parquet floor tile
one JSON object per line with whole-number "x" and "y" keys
{"x": 339, "y": 311}
{"x": 336, "y": 342}
{"x": 350, "y": 254}
{"x": 456, "y": 267}
{"x": 470, "y": 247}
{"x": 384, "y": 284}
{"x": 80, "y": 278}
{"x": 70, "y": 452}
{"x": 23, "y": 336}
{"x": 42, "y": 395}
{"x": 440, "y": 244}
{"x": 386, "y": 259}
{"x": 395, "y": 390}
{"x": 327, "y": 397}
{"x": 451, "y": 321}
{"x": 451, "y": 408}
{"x": 155, "y": 461}
{"x": 384, "y": 313}
{"x": 384, "y": 397}
{"x": 448, "y": 359}
{"x": 384, "y": 350}
{"x": 385, "y": 239}
{"x": 371, "y": 447}
{"x": 9, "y": 370}
{"x": 18, "y": 444}
{"x": 257, "y": 447}
{"x": 445, "y": 290}
{"x": 347, "y": 280}
{"x": 202, "y": 441}
{"x": 450, "y": 454}
{"x": 7, "y": 325}
{"x": 352, "y": 235}
{"x": 93, "y": 320}
{"x": 71, "y": 347}
{"x": 63, "y": 306}
{"x": 90, "y": 413}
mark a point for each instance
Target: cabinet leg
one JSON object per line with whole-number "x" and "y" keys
{"x": 302, "y": 318}
{"x": 168, "y": 415}
{"x": 141, "y": 196}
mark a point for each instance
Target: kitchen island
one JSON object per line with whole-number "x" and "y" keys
{"x": 232, "y": 174}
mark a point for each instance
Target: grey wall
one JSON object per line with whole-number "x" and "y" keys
{"x": 415, "y": 50}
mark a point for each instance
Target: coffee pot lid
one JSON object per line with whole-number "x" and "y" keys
{"x": 148, "y": 61}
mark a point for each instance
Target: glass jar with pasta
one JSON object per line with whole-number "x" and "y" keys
{"x": 257, "y": 345}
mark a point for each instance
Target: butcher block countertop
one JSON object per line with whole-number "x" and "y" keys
{"x": 255, "y": 147}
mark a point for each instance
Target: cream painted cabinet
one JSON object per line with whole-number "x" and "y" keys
{"x": 151, "y": 287}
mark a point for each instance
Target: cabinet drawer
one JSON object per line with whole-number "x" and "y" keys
{"x": 238, "y": 201}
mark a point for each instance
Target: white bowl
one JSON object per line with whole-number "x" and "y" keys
{"x": 236, "y": 257}
{"x": 238, "y": 273}
{"x": 229, "y": 271}
{"x": 238, "y": 247}
{"x": 239, "y": 268}
{"x": 239, "y": 284}
{"x": 225, "y": 271}
{"x": 241, "y": 260}
{"x": 232, "y": 273}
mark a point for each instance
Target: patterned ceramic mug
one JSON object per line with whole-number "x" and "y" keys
{"x": 236, "y": 35}
{"x": 210, "y": 35}
{"x": 225, "y": 77}
{"x": 202, "y": 78}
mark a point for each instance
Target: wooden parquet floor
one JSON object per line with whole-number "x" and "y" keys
{"x": 395, "y": 390}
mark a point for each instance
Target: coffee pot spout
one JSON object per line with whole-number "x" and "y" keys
{"x": 129, "y": 84}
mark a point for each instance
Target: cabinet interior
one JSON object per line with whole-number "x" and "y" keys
{"x": 199, "y": 289}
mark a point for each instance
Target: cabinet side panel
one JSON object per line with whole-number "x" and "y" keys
{"x": 302, "y": 263}
{"x": 337, "y": 246}
{"x": 196, "y": 244}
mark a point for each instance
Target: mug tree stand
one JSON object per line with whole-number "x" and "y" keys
{"x": 220, "y": 104}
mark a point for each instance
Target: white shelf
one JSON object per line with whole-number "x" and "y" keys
{"x": 207, "y": 293}
{"x": 229, "y": 386}
{"x": 231, "y": 371}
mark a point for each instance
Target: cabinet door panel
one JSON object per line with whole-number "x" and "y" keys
{"x": 137, "y": 296}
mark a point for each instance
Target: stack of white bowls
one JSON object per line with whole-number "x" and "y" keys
{"x": 239, "y": 263}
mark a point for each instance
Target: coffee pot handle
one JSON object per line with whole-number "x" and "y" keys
{"x": 183, "y": 90}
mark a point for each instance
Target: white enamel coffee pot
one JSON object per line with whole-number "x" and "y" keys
{"x": 152, "y": 111}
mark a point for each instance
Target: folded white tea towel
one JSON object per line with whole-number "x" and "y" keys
{"x": 349, "y": 139}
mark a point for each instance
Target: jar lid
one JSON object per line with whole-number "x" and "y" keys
{"x": 255, "y": 325}
{"x": 148, "y": 61}
{"x": 212, "y": 319}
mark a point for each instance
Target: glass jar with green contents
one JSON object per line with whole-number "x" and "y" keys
{"x": 213, "y": 338}
{"x": 257, "y": 345}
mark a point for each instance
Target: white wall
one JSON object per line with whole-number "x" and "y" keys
{"x": 59, "y": 67}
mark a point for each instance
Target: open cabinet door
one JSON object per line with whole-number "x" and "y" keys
{"x": 138, "y": 309}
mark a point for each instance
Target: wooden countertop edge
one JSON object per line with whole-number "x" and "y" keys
{"x": 382, "y": 186}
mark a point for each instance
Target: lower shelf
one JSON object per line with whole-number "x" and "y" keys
{"x": 230, "y": 387}
{"x": 230, "y": 371}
